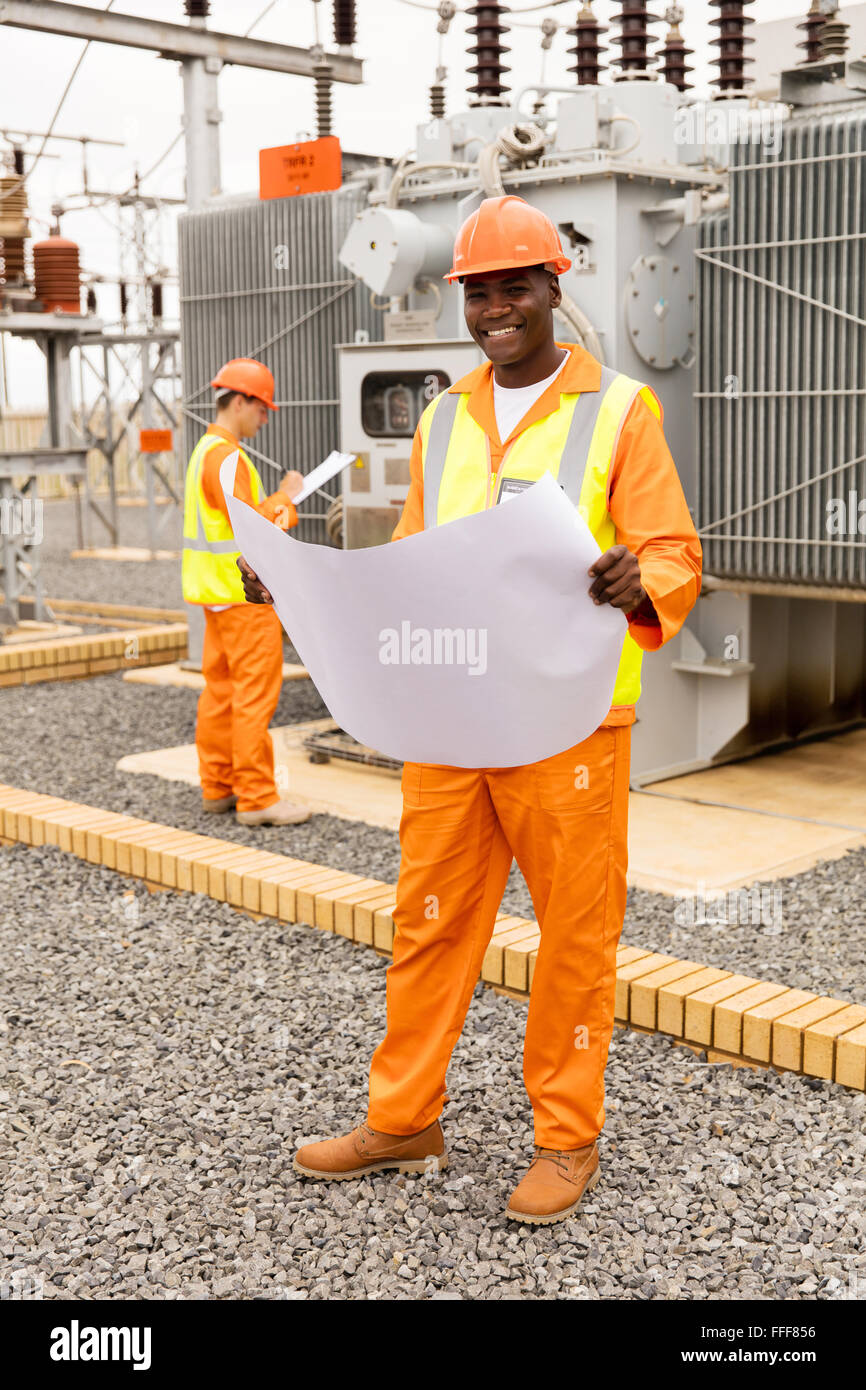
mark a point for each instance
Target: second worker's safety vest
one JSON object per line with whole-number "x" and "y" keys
{"x": 210, "y": 551}
{"x": 576, "y": 443}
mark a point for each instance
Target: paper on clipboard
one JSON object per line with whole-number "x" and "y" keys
{"x": 323, "y": 473}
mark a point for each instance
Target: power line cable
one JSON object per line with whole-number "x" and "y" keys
{"x": 19, "y": 183}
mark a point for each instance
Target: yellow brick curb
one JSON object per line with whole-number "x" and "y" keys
{"x": 734, "y": 1017}
{"x": 70, "y": 658}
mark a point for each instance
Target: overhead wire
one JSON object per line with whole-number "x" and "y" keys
{"x": 22, "y": 179}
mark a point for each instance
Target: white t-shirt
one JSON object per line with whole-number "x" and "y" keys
{"x": 512, "y": 402}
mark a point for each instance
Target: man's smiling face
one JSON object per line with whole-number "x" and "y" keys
{"x": 508, "y": 312}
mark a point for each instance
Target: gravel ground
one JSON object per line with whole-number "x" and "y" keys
{"x": 153, "y": 583}
{"x": 160, "y": 1168}
{"x": 817, "y": 944}
{"x": 165, "y": 1056}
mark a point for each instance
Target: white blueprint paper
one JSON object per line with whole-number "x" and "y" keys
{"x": 473, "y": 644}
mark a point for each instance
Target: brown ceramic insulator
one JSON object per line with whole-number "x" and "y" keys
{"x": 731, "y": 43}
{"x": 634, "y": 37}
{"x": 57, "y": 275}
{"x": 197, "y": 9}
{"x": 487, "y": 50}
{"x": 345, "y": 29}
{"x": 437, "y": 101}
{"x": 587, "y": 48}
{"x": 812, "y": 26}
{"x": 673, "y": 55}
{"x": 15, "y": 229}
{"x": 834, "y": 38}
{"x": 12, "y": 266}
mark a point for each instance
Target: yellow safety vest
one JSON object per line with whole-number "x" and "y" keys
{"x": 576, "y": 443}
{"x": 209, "y": 570}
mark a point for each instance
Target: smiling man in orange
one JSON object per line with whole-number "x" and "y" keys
{"x": 536, "y": 405}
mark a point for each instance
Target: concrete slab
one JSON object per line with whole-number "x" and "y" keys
{"x": 353, "y": 791}
{"x": 676, "y": 843}
{"x": 684, "y": 847}
{"x": 823, "y": 781}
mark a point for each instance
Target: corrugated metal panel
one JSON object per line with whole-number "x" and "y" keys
{"x": 781, "y": 383}
{"x": 248, "y": 273}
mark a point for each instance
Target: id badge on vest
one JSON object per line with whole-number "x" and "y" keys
{"x": 509, "y": 488}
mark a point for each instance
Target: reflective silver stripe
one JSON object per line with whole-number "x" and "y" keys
{"x": 201, "y": 542}
{"x": 572, "y": 462}
{"x": 438, "y": 438}
{"x": 575, "y": 451}
{"x": 215, "y": 547}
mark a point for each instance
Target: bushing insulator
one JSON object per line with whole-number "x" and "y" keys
{"x": 487, "y": 50}
{"x": 587, "y": 48}
{"x": 731, "y": 43}
{"x": 634, "y": 37}
{"x": 57, "y": 275}
{"x": 812, "y": 26}
{"x": 834, "y": 38}
{"x": 345, "y": 29}
{"x": 322, "y": 75}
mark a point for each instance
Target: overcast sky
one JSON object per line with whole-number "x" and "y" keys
{"x": 135, "y": 96}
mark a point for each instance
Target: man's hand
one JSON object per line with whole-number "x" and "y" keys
{"x": 254, "y": 589}
{"x": 291, "y": 483}
{"x": 617, "y": 581}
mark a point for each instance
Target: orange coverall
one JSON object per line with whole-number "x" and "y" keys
{"x": 564, "y": 819}
{"x": 242, "y": 663}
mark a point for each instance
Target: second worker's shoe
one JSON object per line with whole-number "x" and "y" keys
{"x": 281, "y": 813}
{"x": 554, "y": 1184}
{"x": 368, "y": 1150}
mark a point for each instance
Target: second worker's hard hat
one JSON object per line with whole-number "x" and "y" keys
{"x": 249, "y": 377}
{"x": 504, "y": 234}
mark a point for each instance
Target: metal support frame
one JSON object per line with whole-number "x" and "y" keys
{"x": 202, "y": 52}
{"x": 171, "y": 40}
{"x": 19, "y": 550}
{"x": 160, "y": 472}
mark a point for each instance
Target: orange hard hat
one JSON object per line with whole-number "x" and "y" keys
{"x": 249, "y": 377}
{"x": 503, "y": 234}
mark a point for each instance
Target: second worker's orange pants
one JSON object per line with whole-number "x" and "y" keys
{"x": 565, "y": 821}
{"x": 242, "y": 663}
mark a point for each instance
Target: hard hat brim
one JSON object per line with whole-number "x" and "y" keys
{"x": 562, "y": 264}
{"x": 221, "y": 386}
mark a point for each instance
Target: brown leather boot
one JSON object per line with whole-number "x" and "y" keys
{"x": 367, "y": 1150}
{"x": 554, "y": 1184}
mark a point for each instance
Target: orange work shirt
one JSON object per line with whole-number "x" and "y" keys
{"x": 278, "y": 507}
{"x": 644, "y": 498}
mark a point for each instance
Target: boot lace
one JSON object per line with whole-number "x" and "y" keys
{"x": 363, "y": 1130}
{"x": 559, "y": 1156}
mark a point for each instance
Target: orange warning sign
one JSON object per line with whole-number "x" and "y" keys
{"x": 155, "y": 441}
{"x": 309, "y": 167}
